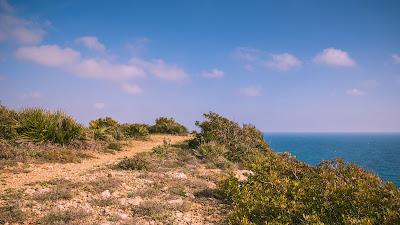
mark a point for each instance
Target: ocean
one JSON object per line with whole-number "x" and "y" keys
{"x": 375, "y": 152}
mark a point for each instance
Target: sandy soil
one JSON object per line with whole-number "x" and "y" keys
{"x": 50, "y": 171}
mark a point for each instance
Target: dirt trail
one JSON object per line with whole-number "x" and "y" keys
{"x": 49, "y": 171}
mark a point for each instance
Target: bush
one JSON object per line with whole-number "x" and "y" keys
{"x": 136, "y": 163}
{"x": 168, "y": 126}
{"x": 105, "y": 129}
{"x": 211, "y": 150}
{"x": 135, "y": 130}
{"x": 41, "y": 126}
{"x": 285, "y": 191}
{"x": 115, "y": 145}
{"x": 8, "y": 124}
{"x": 241, "y": 141}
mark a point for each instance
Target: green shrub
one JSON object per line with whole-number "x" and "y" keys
{"x": 136, "y": 163}
{"x": 211, "y": 150}
{"x": 135, "y": 130}
{"x": 168, "y": 126}
{"x": 8, "y": 124}
{"x": 241, "y": 141}
{"x": 285, "y": 191}
{"x": 105, "y": 129}
{"x": 41, "y": 126}
{"x": 115, "y": 145}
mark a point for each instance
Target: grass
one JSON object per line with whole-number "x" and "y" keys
{"x": 101, "y": 184}
{"x": 57, "y": 217}
{"x": 11, "y": 213}
{"x": 55, "y": 194}
{"x": 137, "y": 162}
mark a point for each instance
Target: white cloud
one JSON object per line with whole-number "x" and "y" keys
{"x": 70, "y": 60}
{"x": 253, "y": 59}
{"x": 99, "y": 105}
{"x": 103, "y": 69}
{"x": 355, "y": 92}
{"x": 98, "y": 68}
{"x": 17, "y": 29}
{"x": 250, "y": 91}
{"x": 91, "y": 42}
{"x": 131, "y": 89}
{"x": 283, "y": 62}
{"x": 396, "y": 58}
{"x": 49, "y": 55}
{"x": 214, "y": 73}
{"x": 161, "y": 69}
{"x": 334, "y": 57}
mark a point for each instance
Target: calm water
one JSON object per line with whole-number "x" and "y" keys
{"x": 379, "y": 153}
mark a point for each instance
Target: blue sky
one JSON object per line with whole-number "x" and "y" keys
{"x": 309, "y": 66}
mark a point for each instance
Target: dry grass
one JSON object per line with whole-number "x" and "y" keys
{"x": 57, "y": 217}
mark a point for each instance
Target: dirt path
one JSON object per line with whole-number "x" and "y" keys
{"x": 49, "y": 171}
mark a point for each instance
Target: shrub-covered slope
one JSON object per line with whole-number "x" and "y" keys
{"x": 283, "y": 190}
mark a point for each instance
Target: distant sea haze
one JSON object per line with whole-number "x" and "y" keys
{"x": 375, "y": 152}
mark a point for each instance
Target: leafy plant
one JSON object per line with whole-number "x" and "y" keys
{"x": 241, "y": 142}
{"x": 41, "y": 126}
{"x": 105, "y": 128}
{"x": 135, "y": 163}
{"x": 135, "y": 130}
{"x": 168, "y": 126}
{"x": 8, "y": 124}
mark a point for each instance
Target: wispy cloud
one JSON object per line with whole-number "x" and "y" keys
{"x": 133, "y": 89}
{"x": 104, "y": 69}
{"x": 254, "y": 59}
{"x": 213, "y": 74}
{"x": 250, "y": 91}
{"x": 99, "y": 105}
{"x": 99, "y": 68}
{"x": 160, "y": 69}
{"x": 91, "y": 42}
{"x": 334, "y": 57}
{"x": 396, "y": 58}
{"x": 49, "y": 55}
{"x": 137, "y": 46}
{"x": 355, "y": 92}
{"x": 17, "y": 29}
{"x": 283, "y": 62}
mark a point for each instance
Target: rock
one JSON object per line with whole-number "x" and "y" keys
{"x": 123, "y": 216}
{"x": 135, "y": 201}
{"x": 178, "y": 175}
{"x": 242, "y": 175}
{"x": 29, "y": 191}
{"x": 176, "y": 202}
{"x": 106, "y": 194}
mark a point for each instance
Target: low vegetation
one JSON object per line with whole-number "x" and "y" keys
{"x": 226, "y": 174}
{"x": 165, "y": 125}
{"x": 283, "y": 190}
{"x": 35, "y": 134}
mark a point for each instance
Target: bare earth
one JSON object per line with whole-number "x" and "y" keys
{"x": 50, "y": 171}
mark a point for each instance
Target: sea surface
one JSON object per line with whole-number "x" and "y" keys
{"x": 375, "y": 152}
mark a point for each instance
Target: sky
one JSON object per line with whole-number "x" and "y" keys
{"x": 284, "y": 66}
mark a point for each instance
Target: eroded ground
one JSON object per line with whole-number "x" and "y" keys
{"x": 166, "y": 185}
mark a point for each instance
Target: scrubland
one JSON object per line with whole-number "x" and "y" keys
{"x": 225, "y": 173}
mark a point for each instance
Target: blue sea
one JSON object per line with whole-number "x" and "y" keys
{"x": 378, "y": 153}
